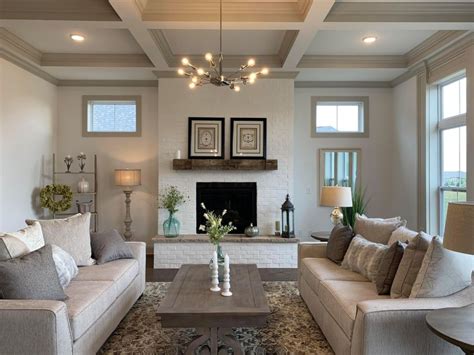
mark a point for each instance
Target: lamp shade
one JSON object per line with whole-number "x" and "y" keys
{"x": 336, "y": 196}
{"x": 459, "y": 230}
{"x": 128, "y": 177}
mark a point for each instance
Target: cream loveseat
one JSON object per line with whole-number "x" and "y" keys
{"x": 98, "y": 298}
{"x": 356, "y": 320}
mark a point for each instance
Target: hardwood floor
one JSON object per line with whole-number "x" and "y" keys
{"x": 167, "y": 275}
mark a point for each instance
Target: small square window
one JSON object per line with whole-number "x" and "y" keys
{"x": 111, "y": 116}
{"x": 453, "y": 98}
{"x": 339, "y": 116}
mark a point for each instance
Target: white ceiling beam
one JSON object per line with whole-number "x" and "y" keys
{"x": 66, "y": 23}
{"x": 231, "y": 25}
{"x": 131, "y": 16}
{"x": 315, "y": 16}
{"x": 374, "y": 26}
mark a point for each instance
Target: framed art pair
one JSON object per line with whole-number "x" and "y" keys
{"x": 206, "y": 138}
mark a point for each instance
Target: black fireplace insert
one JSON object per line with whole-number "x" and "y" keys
{"x": 238, "y": 198}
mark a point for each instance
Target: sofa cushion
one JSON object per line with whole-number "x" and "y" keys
{"x": 315, "y": 270}
{"x": 88, "y": 300}
{"x": 109, "y": 246}
{"x": 31, "y": 235}
{"x": 121, "y": 272}
{"x": 388, "y": 267}
{"x": 402, "y": 234}
{"x": 338, "y": 243}
{"x": 340, "y": 298}
{"x": 12, "y": 247}
{"x": 375, "y": 229}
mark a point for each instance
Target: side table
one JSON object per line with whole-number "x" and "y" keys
{"x": 321, "y": 236}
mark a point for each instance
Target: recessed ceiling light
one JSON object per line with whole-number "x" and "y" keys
{"x": 369, "y": 39}
{"x": 76, "y": 37}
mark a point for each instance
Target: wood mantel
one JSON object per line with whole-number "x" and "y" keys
{"x": 228, "y": 164}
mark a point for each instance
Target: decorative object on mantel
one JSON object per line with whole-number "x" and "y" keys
{"x": 226, "y": 285}
{"x": 81, "y": 158}
{"x": 216, "y": 231}
{"x": 337, "y": 197}
{"x": 83, "y": 207}
{"x": 47, "y": 197}
{"x": 233, "y": 164}
{"x": 83, "y": 186}
{"x": 252, "y": 231}
{"x": 248, "y": 138}
{"x": 68, "y": 161}
{"x": 128, "y": 178}
{"x": 171, "y": 198}
{"x": 277, "y": 228}
{"x": 288, "y": 218}
{"x": 215, "y": 75}
{"x": 215, "y": 273}
{"x": 178, "y": 154}
{"x": 359, "y": 206}
{"x": 206, "y": 138}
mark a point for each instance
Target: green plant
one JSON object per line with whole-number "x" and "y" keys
{"x": 171, "y": 198}
{"x": 214, "y": 227}
{"x": 48, "y": 193}
{"x": 359, "y": 205}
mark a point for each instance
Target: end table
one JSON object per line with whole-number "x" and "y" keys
{"x": 321, "y": 236}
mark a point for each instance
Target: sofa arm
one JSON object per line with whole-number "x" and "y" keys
{"x": 34, "y": 327}
{"x": 311, "y": 250}
{"x": 393, "y": 326}
{"x": 139, "y": 253}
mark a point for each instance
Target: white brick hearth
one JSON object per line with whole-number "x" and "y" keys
{"x": 266, "y": 252}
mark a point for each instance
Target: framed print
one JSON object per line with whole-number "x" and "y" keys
{"x": 249, "y": 138}
{"x": 205, "y": 138}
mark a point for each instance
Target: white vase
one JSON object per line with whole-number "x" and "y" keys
{"x": 83, "y": 186}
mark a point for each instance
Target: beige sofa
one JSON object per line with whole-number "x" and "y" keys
{"x": 356, "y": 320}
{"x": 98, "y": 299}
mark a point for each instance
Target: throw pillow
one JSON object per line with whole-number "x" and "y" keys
{"x": 338, "y": 243}
{"x": 11, "y": 247}
{"x": 32, "y": 236}
{"x": 364, "y": 257}
{"x": 410, "y": 266}
{"x": 71, "y": 234}
{"x": 443, "y": 272}
{"x": 32, "y": 276}
{"x": 388, "y": 267}
{"x": 377, "y": 230}
{"x": 65, "y": 266}
{"x": 109, "y": 246}
{"x": 402, "y": 234}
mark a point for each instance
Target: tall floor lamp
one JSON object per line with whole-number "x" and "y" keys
{"x": 128, "y": 178}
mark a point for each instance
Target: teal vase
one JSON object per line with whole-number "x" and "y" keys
{"x": 171, "y": 226}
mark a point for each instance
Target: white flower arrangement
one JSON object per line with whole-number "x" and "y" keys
{"x": 214, "y": 227}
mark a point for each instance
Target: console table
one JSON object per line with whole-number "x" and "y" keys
{"x": 265, "y": 251}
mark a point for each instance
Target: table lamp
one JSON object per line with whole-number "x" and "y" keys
{"x": 337, "y": 197}
{"x": 459, "y": 230}
{"x": 128, "y": 178}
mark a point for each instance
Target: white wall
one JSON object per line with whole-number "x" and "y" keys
{"x": 114, "y": 153}
{"x": 405, "y": 154}
{"x": 377, "y": 164}
{"x": 272, "y": 99}
{"x": 28, "y": 118}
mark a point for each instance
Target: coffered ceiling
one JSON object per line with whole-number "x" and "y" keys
{"x": 312, "y": 40}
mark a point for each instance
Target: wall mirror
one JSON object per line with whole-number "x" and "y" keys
{"x": 339, "y": 167}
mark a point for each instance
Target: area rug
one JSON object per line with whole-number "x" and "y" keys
{"x": 290, "y": 328}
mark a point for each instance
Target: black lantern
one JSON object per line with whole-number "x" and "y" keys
{"x": 288, "y": 219}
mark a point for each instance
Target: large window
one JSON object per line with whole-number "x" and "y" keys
{"x": 111, "y": 116}
{"x": 339, "y": 116}
{"x": 452, "y": 138}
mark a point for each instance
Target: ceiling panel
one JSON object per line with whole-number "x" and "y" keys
{"x": 54, "y": 38}
{"x": 244, "y": 42}
{"x": 348, "y": 74}
{"x": 350, "y": 42}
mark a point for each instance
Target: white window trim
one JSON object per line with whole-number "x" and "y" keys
{"x": 111, "y": 98}
{"x": 340, "y": 100}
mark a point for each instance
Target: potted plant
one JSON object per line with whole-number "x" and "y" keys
{"x": 216, "y": 230}
{"x": 171, "y": 198}
{"x": 359, "y": 205}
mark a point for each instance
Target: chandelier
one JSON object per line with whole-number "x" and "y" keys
{"x": 214, "y": 75}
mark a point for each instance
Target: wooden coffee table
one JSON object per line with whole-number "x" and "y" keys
{"x": 190, "y": 304}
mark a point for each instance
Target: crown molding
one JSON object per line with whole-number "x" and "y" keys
{"x": 342, "y": 84}
{"x": 162, "y": 43}
{"x": 168, "y": 74}
{"x": 95, "y": 60}
{"x": 26, "y": 65}
{"x": 108, "y": 83}
{"x": 13, "y": 43}
{"x": 401, "y": 12}
{"x": 287, "y": 44}
{"x": 352, "y": 61}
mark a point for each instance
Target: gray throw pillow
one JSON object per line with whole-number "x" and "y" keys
{"x": 31, "y": 277}
{"x": 65, "y": 266}
{"x": 338, "y": 243}
{"x": 388, "y": 267}
{"x": 375, "y": 229}
{"x": 109, "y": 246}
{"x": 443, "y": 272}
{"x": 410, "y": 265}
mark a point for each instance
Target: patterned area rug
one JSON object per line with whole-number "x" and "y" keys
{"x": 290, "y": 330}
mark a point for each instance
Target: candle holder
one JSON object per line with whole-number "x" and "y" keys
{"x": 68, "y": 161}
